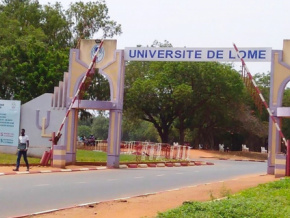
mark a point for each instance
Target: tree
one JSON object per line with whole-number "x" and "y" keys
{"x": 35, "y": 43}
{"x": 138, "y": 131}
{"x": 88, "y": 19}
{"x": 84, "y": 131}
{"x": 100, "y": 127}
{"x": 178, "y": 90}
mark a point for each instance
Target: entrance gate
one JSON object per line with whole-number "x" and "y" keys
{"x": 111, "y": 64}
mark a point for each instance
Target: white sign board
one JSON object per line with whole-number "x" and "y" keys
{"x": 197, "y": 54}
{"x": 9, "y": 122}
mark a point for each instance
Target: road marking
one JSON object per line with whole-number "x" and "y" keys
{"x": 138, "y": 177}
{"x": 176, "y": 189}
{"x": 160, "y": 175}
{"x": 196, "y": 171}
{"x": 86, "y": 204}
{"x": 179, "y": 173}
{"x": 46, "y": 211}
{"x": 22, "y": 172}
{"x": 45, "y": 171}
{"x": 65, "y": 170}
{"x": 42, "y": 184}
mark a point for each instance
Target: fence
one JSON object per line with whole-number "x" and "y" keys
{"x": 144, "y": 150}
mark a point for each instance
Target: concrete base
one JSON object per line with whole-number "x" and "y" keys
{"x": 280, "y": 165}
{"x": 271, "y": 170}
{"x": 113, "y": 161}
{"x": 59, "y": 156}
{"x": 71, "y": 158}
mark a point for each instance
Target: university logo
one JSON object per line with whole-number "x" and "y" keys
{"x": 13, "y": 105}
{"x": 101, "y": 53}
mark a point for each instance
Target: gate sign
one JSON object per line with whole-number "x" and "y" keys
{"x": 9, "y": 122}
{"x": 197, "y": 54}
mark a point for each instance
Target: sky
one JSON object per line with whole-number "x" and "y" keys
{"x": 201, "y": 23}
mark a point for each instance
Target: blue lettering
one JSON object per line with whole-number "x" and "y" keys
{"x": 169, "y": 53}
{"x": 140, "y": 54}
{"x": 230, "y": 55}
{"x": 160, "y": 54}
{"x": 197, "y": 54}
{"x": 219, "y": 54}
{"x": 152, "y": 53}
{"x": 189, "y": 53}
{"x": 262, "y": 54}
{"x": 132, "y": 55}
{"x": 253, "y": 54}
{"x": 177, "y": 54}
{"x": 244, "y": 54}
{"x": 210, "y": 54}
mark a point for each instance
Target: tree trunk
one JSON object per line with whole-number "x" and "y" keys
{"x": 181, "y": 131}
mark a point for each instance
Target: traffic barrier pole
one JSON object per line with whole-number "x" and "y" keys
{"x": 261, "y": 96}
{"x": 58, "y": 135}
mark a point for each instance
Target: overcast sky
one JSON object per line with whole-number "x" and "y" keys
{"x": 201, "y": 23}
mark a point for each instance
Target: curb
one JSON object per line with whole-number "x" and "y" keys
{"x": 121, "y": 166}
{"x": 242, "y": 160}
{"x": 53, "y": 171}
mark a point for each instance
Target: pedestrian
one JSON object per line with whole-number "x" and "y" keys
{"x": 22, "y": 150}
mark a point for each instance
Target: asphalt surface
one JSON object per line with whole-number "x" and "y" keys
{"x": 27, "y": 194}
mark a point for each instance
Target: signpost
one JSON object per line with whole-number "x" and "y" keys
{"x": 197, "y": 54}
{"x": 9, "y": 122}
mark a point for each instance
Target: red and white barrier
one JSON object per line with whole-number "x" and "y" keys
{"x": 261, "y": 96}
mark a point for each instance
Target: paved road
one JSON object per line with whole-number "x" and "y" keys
{"x": 26, "y": 194}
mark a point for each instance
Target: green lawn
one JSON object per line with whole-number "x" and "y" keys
{"x": 82, "y": 156}
{"x": 11, "y": 159}
{"x": 267, "y": 200}
{"x": 96, "y": 156}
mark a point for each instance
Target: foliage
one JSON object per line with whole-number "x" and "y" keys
{"x": 84, "y": 130}
{"x": 35, "y": 42}
{"x": 138, "y": 131}
{"x": 95, "y": 156}
{"x": 100, "y": 127}
{"x": 97, "y": 88}
{"x": 183, "y": 94}
{"x": 285, "y": 120}
{"x": 87, "y": 19}
{"x": 267, "y": 200}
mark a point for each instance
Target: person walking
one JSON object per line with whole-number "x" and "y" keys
{"x": 22, "y": 150}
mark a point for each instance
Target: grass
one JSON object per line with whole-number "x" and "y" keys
{"x": 81, "y": 156}
{"x": 11, "y": 159}
{"x": 266, "y": 200}
{"x": 97, "y": 156}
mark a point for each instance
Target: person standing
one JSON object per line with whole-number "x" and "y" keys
{"x": 22, "y": 150}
